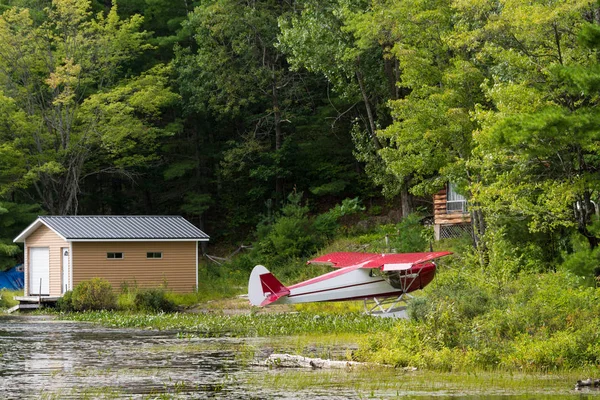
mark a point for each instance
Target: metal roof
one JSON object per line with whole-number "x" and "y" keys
{"x": 98, "y": 227}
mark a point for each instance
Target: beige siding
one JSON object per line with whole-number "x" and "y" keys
{"x": 45, "y": 237}
{"x": 176, "y": 269}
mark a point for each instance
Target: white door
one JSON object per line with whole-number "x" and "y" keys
{"x": 66, "y": 270}
{"x": 39, "y": 271}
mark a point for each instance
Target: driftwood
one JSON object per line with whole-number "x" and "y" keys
{"x": 292, "y": 361}
{"x": 588, "y": 383}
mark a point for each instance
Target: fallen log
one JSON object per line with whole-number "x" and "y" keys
{"x": 292, "y": 361}
{"x": 588, "y": 383}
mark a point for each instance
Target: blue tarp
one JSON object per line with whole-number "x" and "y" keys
{"x": 13, "y": 279}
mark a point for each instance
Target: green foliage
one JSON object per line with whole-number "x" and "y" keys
{"x": 430, "y": 137}
{"x": 332, "y": 39}
{"x": 65, "y": 303}
{"x": 584, "y": 263}
{"x": 13, "y": 218}
{"x": 94, "y": 294}
{"x": 295, "y": 234}
{"x": 7, "y": 297}
{"x": 67, "y": 101}
{"x": 407, "y": 236}
{"x": 154, "y": 300}
{"x": 470, "y": 319}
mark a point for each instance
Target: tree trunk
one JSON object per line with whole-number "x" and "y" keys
{"x": 406, "y": 199}
{"x": 278, "y": 135}
{"x": 363, "y": 91}
{"x": 390, "y": 66}
{"x": 584, "y": 211}
{"x": 479, "y": 226}
{"x": 203, "y": 245}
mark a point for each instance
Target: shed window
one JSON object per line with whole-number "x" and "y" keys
{"x": 455, "y": 203}
{"x": 114, "y": 255}
{"x": 156, "y": 254}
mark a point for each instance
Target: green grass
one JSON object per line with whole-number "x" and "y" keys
{"x": 378, "y": 382}
{"x": 334, "y": 307}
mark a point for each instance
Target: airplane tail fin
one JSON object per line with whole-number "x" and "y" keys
{"x": 264, "y": 288}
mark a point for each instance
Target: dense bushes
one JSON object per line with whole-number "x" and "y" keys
{"x": 295, "y": 234}
{"x": 95, "y": 294}
{"x": 7, "y": 297}
{"x": 154, "y": 300}
{"x": 467, "y": 320}
{"x": 65, "y": 303}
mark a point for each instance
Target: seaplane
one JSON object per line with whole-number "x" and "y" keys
{"x": 383, "y": 281}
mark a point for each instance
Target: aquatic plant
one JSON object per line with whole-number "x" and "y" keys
{"x": 247, "y": 325}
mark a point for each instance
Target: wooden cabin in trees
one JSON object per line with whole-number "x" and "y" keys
{"x": 450, "y": 215}
{"x": 148, "y": 251}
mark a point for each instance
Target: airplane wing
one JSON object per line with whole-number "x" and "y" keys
{"x": 343, "y": 259}
{"x": 386, "y": 262}
{"x": 403, "y": 261}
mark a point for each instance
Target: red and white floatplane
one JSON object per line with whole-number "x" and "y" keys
{"x": 381, "y": 280}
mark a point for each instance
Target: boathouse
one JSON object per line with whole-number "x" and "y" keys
{"x": 147, "y": 251}
{"x": 451, "y": 217}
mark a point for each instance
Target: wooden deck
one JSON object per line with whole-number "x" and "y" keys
{"x": 33, "y": 302}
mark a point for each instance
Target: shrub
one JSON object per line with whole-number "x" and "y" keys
{"x": 7, "y": 297}
{"x": 417, "y": 308}
{"x": 291, "y": 235}
{"x": 406, "y": 236}
{"x": 65, "y": 303}
{"x": 95, "y": 294}
{"x": 296, "y": 234}
{"x": 154, "y": 300}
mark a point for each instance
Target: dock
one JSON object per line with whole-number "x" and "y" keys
{"x": 33, "y": 302}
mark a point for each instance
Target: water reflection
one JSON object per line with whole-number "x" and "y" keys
{"x": 41, "y": 357}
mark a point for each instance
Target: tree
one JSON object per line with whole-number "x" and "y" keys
{"x": 13, "y": 217}
{"x": 537, "y": 148}
{"x": 338, "y": 40}
{"x": 69, "y": 99}
{"x": 239, "y": 74}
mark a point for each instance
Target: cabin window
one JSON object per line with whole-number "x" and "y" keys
{"x": 455, "y": 202}
{"x": 156, "y": 254}
{"x": 113, "y": 255}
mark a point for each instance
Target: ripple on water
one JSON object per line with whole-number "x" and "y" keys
{"x": 42, "y": 357}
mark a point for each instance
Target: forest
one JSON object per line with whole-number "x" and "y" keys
{"x": 292, "y": 125}
{"x": 237, "y": 114}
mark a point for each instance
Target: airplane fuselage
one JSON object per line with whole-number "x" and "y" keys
{"x": 356, "y": 276}
{"x": 355, "y": 284}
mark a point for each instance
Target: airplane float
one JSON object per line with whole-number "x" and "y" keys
{"x": 383, "y": 279}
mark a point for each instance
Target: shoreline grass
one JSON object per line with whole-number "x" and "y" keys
{"x": 242, "y": 325}
{"x": 392, "y": 383}
{"x": 343, "y": 336}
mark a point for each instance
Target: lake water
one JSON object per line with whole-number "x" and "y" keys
{"x": 41, "y": 357}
